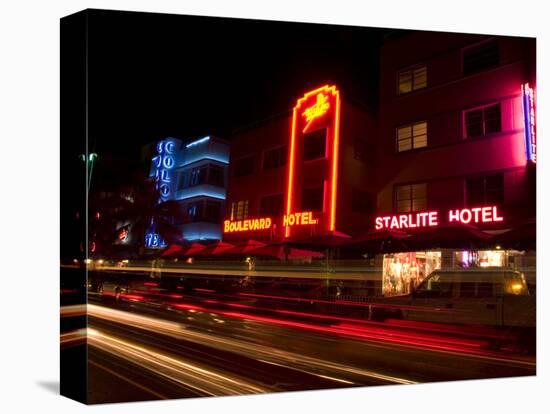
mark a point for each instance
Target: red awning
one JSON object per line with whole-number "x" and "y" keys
{"x": 448, "y": 235}
{"x": 215, "y": 248}
{"x": 244, "y": 248}
{"x": 172, "y": 250}
{"x": 280, "y": 251}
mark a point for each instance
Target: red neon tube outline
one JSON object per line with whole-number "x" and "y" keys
{"x": 334, "y": 178}
{"x": 335, "y": 163}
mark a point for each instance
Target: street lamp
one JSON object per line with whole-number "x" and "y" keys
{"x": 89, "y": 160}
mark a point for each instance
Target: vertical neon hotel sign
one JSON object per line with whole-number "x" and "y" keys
{"x": 317, "y": 109}
{"x": 529, "y": 122}
{"x": 163, "y": 163}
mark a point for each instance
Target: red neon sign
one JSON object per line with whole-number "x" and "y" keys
{"x": 322, "y": 109}
{"x": 487, "y": 214}
{"x": 318, "y": 109}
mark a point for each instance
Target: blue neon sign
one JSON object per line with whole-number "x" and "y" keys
{"x": 153, "y": 239}
{"x": 164, "y": 163}
{"x": 529, "y": 122}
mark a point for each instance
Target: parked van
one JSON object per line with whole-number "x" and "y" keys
{"x": 480, "y": 296}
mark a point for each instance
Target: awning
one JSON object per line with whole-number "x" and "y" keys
{"x": 244, "y": 248}
{"x": 214, "y": 249}
{"x": 447, "y": 236}
{"x": 280, "y": 251}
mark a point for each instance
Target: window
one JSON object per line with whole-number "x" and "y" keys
{"x": 271, "y": 205}
{"x": 215, "y": 175}
{"x": 361, "y": 201}
{"x": 194, "y": 211}
{"x": 411, "y": 197}
{"x": 212, "y": 210}
{"x": 198, "y": 175}
{"x": 476, "y": 289}
{"x": 312, "y": 199}
{"x": 436, "y": 286}
{"x": 360, "y": 149}
{"x": 485, "y": 190}
{"x": 239, "y": 210}
{"x": 182, "y": 178}
{"x": 244, "y": 166}
{"x": 480, "y": 57}
{"x": 412, "y": 136}
{"x": 482, "y": 121}
{"x": 314, "y": 144}
{"x": 412, "y": 79}
{"x": 275, "y": 158}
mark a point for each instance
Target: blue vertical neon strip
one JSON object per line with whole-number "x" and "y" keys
{"x": 527, "y": 124}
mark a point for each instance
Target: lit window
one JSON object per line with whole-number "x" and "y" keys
{"x": 411, "y": 197}
{"x": 239, "y": 210}
{"x": 482, "y": 121}
{"x": 412, "y": 136}
{"x": 412, "y": 79}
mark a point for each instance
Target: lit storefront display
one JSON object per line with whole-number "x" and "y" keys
{"x": 401, "y": 272}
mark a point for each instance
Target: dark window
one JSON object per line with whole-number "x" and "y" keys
{"x": 194, "y": 211}
{"x": 275, "y": 158}
{"x": 314, "y": 144}
{"x": 409, "y": 80}
{"x": 480, "y": 57}
{"x": 485, "y": 190}
{"x": 271, "y": 205}
{"x": 413, "y": 197}
{"x": 312, "y": 199}
{"x": 182, "y": 178}
{"x": 482, "y": 121}
{"x": 244, "y": 166}
{"x": 485, "y": 290}
{"x": 212, "y": 210}
{"x": 198, "y": 175}
{"x": 215, "y": 175}
{"x": 361, "y": 201}
{"x": 360, "y": 149}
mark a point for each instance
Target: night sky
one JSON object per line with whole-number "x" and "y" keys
{"x": 155, "y": 75}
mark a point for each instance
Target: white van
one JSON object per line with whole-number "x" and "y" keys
{"x": 480, "y": 296}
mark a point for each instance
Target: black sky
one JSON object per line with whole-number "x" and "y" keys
{"x": 156, "y": 75}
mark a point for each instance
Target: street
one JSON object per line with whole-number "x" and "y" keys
{"x": 211, "y": 344}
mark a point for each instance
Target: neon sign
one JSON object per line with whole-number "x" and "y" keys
{"x": 318, "y": 109}
{"x": 320, "y": 103}
{"x": 163, "y": 163}
{"x": 302, "y": 218}
{"x": 254, "y": 224}
{"x": 299, "y": 219}
{"x": 154, "y": 240}
{"x": 487, "y": 214}
{"x": 529, "y": 122}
